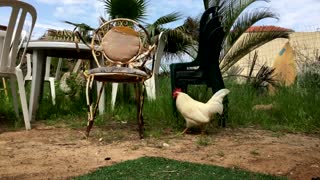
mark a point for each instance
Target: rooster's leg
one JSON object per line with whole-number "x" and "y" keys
{"x": 184, "y": 131}
{"x": 202, "y": 128}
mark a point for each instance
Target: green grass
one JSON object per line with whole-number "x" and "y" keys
{"x": 295, "y": 109}
{"x": 161, "y": 168}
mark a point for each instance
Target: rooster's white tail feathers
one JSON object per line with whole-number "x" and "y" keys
{"x": 219, "y": 95}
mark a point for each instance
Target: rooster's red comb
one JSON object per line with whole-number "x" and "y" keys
{"x": 177, "y": 90}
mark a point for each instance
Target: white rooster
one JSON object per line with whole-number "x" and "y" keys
{"x": 197, "y": 113}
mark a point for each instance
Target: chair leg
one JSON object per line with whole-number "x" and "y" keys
{"x": 89, "y": 104}
{"x": 57, "y": 75}
{"x": 23, "y": 98}
{"x": 14, "y": 95}
{"x": 77, "y": 66}
{"x": 5, "y": 87}
{"x": 151, "y": 88}
{"x": 101, "y": 105}
{"x": 139, "y": 91}
{"x": 53, "y": 90}
{"x": 114, "y": 94}
{"x": 92, "y": 110}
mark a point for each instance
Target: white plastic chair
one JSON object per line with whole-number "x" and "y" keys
{"x": 4, "y": 87}
{"x": 9, "y": 51}
{"x": 2, "y": 35}
{"x": 150, "y": 84}
{"x": 47, "y": 77}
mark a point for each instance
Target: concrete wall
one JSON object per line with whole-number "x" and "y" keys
{"x": 306, "y": 46}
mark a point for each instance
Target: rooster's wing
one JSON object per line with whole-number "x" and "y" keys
{"x": 194, "y": 112}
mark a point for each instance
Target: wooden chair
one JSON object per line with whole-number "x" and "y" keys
{"x": 121, "y": 48}
{"x": 9, "y": 51}
{"x": 205, "y": 67}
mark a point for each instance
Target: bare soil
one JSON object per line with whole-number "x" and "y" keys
{"x": 47, "y": 152}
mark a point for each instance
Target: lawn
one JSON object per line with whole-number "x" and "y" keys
{"x": 162, "y": 168}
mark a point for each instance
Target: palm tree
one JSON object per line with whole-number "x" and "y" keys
{"x": 236, "y": 18}
{"x": 188, "y": 44}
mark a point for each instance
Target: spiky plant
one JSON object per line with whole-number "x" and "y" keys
{"x": 264, "y": 78}
{"x": 132, "y": 9}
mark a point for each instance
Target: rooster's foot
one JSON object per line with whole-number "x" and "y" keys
{"x": 184, "y": 131}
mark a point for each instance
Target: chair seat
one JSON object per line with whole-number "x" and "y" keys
{"x": 118, "y": 74}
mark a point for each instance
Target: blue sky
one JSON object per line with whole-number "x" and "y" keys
{"x": 300, "y": 15}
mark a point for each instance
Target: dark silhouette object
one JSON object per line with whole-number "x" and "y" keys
{"x": 205, "y": 68}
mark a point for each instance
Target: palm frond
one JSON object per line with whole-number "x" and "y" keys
{"x": 234, "y": 71}
{"x": 231, "y": 10}
{"x": 245, "y": 21}
{"x": 191, "y": 27}
{"x": 102, "y": 20}
{"x": 178, "y": 43}
{"x": 264, "y": 77}
{"x": 253, "y": 64}
{"x": 174, "y": 16}
{"x": 81, "y": 26}
{"x": 247, "y": 43}
{"x": 156, "y": 27}
{"x": 211, "y": 3}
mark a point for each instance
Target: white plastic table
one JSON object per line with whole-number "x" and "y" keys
{"x": 40, "y": 49}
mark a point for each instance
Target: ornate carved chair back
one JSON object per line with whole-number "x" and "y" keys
{"x": 121, "y": 49}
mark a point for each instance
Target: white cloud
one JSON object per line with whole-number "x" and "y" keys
{"x": 186, "y": 8}
{"x": 99, "y": 10}
{"x": 59, "y": 26}
{"x": 41, "y": 28}
{"x": 296, "y": 14}
{"x": 69, "y": 12}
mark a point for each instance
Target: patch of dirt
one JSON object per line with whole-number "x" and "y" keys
{"x": 47, "y": 152}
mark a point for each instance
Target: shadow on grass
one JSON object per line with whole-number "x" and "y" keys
{"x": 162, "y": 168}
